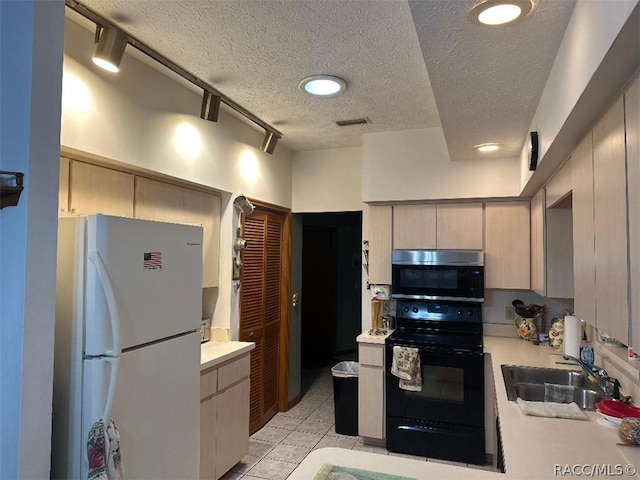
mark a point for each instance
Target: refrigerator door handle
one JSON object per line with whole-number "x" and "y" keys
{"x": 112, "y": 305}
{"x": 115, "y": 365}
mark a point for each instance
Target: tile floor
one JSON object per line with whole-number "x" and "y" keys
{"x": 277, "y": 449}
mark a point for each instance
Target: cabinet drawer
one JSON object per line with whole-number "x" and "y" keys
{"x": 371, "y": 355}
{"x": 232, "y": 372}
{"x": 208, "y": 383}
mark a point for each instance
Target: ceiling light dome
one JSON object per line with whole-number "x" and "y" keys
{"x": 500, "y": 12}
{"x": 487, "y": 147}
{"x": 322, "y": 85}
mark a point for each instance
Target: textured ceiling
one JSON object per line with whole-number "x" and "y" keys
{"x": 400, "y": 59}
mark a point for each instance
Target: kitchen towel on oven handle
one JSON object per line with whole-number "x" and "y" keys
{"x": 406, "y": 366}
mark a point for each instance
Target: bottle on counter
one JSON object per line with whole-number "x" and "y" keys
{"x": 587, "y": 355}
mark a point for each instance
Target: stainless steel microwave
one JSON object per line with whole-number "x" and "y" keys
{"x": 438, "y": 275}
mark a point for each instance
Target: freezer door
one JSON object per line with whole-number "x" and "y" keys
{"x": 156, "y": 408}
{"x": 155, "y": 272}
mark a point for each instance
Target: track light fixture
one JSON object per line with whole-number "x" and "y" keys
{"x": 210, "y": 106}
{"x": 269, "y": 142}
{"x": 110, "y": 48}
{"x": 111, "y": 43}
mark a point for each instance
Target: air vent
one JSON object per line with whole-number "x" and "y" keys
{"x": 355, "y": 121}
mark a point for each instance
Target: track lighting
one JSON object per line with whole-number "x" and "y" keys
{"x": 210, "y": 106}
{"x": 269, "y": 142}
{"x": 110, "y": 48}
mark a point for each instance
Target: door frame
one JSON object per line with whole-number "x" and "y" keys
{"x": 285, "y": 286}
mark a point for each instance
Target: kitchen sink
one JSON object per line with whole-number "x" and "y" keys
{"x": 528, "y": 384}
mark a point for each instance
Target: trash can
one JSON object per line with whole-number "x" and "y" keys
{"x": 345, "y": 397}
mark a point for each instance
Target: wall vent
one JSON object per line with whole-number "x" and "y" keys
{"x": 354, "y": 121}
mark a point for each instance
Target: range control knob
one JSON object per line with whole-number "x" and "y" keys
{"x": 414, "y": 309}
{"x": 459, "y": 312}
{"x": 405, "y": 309}
{"x": 470, "y": 313}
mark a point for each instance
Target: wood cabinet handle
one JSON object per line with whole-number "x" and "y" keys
{"x": 251, "y": 334}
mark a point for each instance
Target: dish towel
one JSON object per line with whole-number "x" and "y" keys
{"x": 406, "y": 366}
{"x": 552, "y": 409}
{"x": 558, "y": 393}
{"x": 103, "y": 451}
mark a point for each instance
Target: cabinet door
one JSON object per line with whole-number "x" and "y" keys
{"x": 204, "y": 209}
{"x": 371, "y": 411}
{"x": 414, "y": 226}
{"x": 95, "y": 189}
{"x": 584, "y": 267}
{"x": 507, "y": 245}
{"x": 558, "y": 263}
{"x": 380, "y": 219}
{"x": 537, "y": 244}
{"x": 63, "y": 188}
{"x": 159, "y": 201}
{"x": 232, "y": 426}
{"x": 208, "y": 430}
{"x": 610, "y": 220}
{"x": 459, "y": 226}
{"x": 632, "y": 110}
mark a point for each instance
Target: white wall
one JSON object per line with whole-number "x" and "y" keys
{"x": 415, "y": 165}
{"x": 137, "y": 117}
{"x": 31, "y": 78}
{"x": 327, "y": 180}
{"x": 592, "y": 29}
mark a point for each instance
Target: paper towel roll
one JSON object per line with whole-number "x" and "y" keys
{"x": 572, "y": 336}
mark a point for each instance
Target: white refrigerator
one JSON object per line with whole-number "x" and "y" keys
{"x": 127, "y": 344}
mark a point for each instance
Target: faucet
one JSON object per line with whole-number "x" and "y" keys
{"x": 609, "y": 385}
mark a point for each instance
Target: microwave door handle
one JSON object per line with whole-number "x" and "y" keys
{"x": 112, "y": 304}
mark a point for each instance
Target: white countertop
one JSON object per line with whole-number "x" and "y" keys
{"x": 534, "y": 447}
{"x": 366, "y": 337}
{"x": 215, "y": 353}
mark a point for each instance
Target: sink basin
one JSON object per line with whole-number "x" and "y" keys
{"x": 528, "y": 384}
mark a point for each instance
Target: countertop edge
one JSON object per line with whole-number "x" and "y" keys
{"x": 215, "y": 353}
{"x": 366, "y": 337}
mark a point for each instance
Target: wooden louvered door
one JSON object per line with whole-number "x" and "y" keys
{"x": 260, "y": 311}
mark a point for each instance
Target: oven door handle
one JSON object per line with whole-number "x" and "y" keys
{"x": 449, "y": 350}
{"x": 431, "y": 430}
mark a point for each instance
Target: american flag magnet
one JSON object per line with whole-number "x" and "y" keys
{"x": 152, "y": 261}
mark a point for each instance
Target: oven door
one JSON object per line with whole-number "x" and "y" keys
{"x": 452, "y": 388}
{"x": 438, "y": 282}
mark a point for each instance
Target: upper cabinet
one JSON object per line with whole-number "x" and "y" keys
{"x": 204, "y": 209}
{"x": 632, "y": 113}
{"x": 459, "y": 226}
{"x": 159, "y": 201}
{"x": 414, "y": 226}
{"x": 584, "y": 267}
{"x": 552, "y": 237}
{"x": 94, "y": 189}
{"x": 538, "y": 280}
{"x": 446, "y": 226}
{"x": 86, "y": 188}
{"x": 380, "y": 221}
{"x": 171, "y": 203}
{"x": 507, "y": 245}
{"x": 610, "y": 221}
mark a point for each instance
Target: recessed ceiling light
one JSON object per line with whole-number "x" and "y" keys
{"x": 487, "y": 147}
{"x": 500, "y": 12}
{"x": 322, "y": 85}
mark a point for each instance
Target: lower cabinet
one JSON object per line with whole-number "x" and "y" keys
{"x": 371, "y": 394}
{"x": 224, "y": 417}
